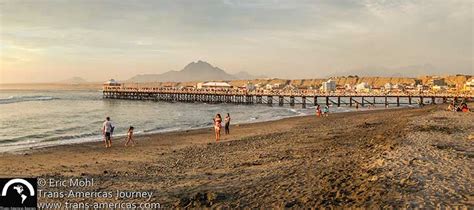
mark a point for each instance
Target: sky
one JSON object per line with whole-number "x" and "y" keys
{"x": 52, "y": 40}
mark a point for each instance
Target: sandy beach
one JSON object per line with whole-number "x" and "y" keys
{"x": 398, "y": 157}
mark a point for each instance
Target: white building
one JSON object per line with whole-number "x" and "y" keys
{"x": 363, "y": 87}
{"x": 328, "y": 86}
{"x": 112, "y": 84}
{"x": 388, "y": 86}
{"x": 213, "y": 85}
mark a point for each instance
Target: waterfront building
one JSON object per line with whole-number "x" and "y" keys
{"x": 328, "y": 86}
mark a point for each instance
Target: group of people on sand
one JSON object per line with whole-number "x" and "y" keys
{"x": 108, "y": 130}
{"x": 458, "y": 107}
{"x": 218, "y": 125}
{"x": 322, "y": 112}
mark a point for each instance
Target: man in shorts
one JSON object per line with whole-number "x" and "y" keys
{"x": 107, "y": 130}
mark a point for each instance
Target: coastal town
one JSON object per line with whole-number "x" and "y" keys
{"x": 461, "y": 85}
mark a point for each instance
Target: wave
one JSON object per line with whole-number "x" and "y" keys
{"x": 17, "y": 99}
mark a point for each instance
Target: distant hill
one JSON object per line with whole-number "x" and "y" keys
{"x": 74, "y": 80}
{"x": 243, "y": 75}
{"x": 195, "y": 71}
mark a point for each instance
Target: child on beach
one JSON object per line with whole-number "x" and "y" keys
{"x": 130, "y": 136}
{"x": 217, "y": 126}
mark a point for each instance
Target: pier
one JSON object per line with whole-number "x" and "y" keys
{"x": 280, "y": 97}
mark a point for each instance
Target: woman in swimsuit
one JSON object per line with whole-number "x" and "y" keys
{"x": 217, "y": 126}
{"x": 130, "y": 138}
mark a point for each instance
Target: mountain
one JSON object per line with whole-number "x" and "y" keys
{"x": 74, "y": 80}
{"x": 195, "y": 71}
{"x": 243, "y": 75}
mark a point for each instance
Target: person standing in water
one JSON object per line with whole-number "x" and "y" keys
{"x": 218, "y": 126}
{"x": 107, "y": 129}
{"x": 227, "y": 124}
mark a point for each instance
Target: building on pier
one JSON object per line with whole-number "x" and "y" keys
{"x": 112, "y": 84}
{"x": 222, "y": 85}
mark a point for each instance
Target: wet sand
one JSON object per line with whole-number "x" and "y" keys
{"x": 399, "y": 158}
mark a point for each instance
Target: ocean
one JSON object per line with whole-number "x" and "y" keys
{"x": 31, "y": 119}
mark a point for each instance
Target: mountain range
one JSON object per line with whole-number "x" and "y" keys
{"x": 194, "y": 71}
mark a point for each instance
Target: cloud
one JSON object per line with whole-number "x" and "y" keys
{"x": 273, "y": 36}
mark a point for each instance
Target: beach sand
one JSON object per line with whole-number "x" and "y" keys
{"x": 398, "y": 157}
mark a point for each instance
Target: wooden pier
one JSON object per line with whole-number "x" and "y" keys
{"x": 281, "y": 98}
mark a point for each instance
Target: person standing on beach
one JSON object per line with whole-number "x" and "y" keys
{"x": 218, "y": 126}
{"x": 326, "y": 110}
{"x": 227, "y": 124}
{"x": 107, "y": 129}
{"x": 318, "y": 110}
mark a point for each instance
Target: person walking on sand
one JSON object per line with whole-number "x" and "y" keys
{"x": 107, "y": 130}
{"x": 227, "y": 124}
{"x": 217, "y": 126}
{"x": 130, "y": 136}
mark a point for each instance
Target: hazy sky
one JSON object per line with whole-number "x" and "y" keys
{"x": 51, "y": 40}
